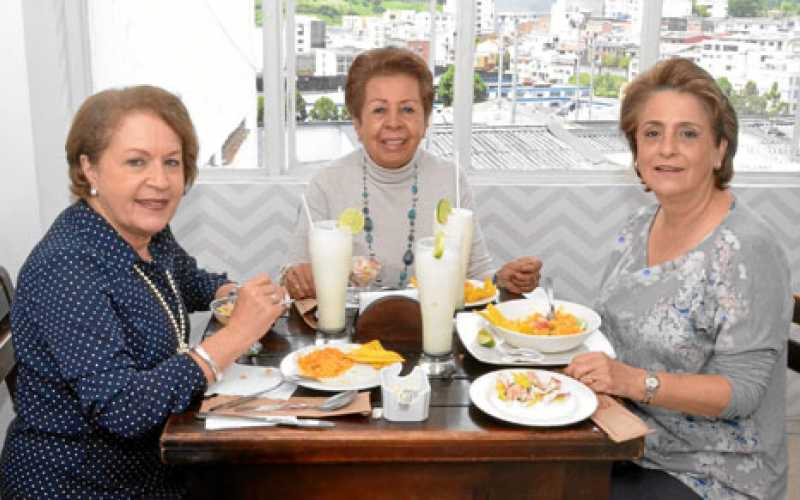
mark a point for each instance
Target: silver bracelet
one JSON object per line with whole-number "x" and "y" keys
{"x": 198, "y": 349}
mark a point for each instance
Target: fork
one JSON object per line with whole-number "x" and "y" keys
{"x": 522, "y": 352}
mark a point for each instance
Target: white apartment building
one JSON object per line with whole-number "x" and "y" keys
{"x": 764, "y": 59}
{"x": 484, "y": 14}
{"x": 309, "y": 34}
{"x": 566, "y": 15}
{"x": 632, "y": 10}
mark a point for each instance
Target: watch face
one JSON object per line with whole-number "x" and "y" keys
{"x": 651, "y": 382}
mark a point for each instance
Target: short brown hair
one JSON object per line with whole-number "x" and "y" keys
{"x": 101, "y": 114}
{"x": 387, "y": 61}
{"x": 682, "y": 75}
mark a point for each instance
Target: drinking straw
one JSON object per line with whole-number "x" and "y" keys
{"x": 458, "y": 189}
{"x": 307, "y": 210}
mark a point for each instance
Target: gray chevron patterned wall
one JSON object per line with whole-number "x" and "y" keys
{"x": 244, "y": 228}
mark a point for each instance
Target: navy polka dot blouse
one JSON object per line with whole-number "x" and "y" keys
{"x": 98, "y": 369}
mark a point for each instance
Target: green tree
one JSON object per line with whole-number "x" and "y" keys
{"x": 445, "y": 93}
{"x": 584, "y": 79}
{"x": 607, "y": 85}
{"x": 700, "y": 10}
{"x": 324, "y": 109}
{"x": 774, "y": 104}
{"x": 608, "y": 60}
{"x": 746, "y": 8}
{"x": 725, "y": 85}
{"x": 789, "y": 8}
{"x": 300, "y": 113}
{"x": 623, "y": 62}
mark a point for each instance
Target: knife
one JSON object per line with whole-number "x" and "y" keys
{"x": 277, "y": 420}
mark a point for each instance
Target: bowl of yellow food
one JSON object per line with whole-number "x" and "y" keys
{"x": 223, "y": 308}
{"x": 523, "y": 323}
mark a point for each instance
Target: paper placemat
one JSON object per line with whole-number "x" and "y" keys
{"x": 360, "y": 404}
{"x": 617, "y": 421}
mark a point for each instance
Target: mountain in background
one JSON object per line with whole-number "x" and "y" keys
{"x": 539, "y": 6}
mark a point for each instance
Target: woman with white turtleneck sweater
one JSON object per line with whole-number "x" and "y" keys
{"x": 389, "y": 93}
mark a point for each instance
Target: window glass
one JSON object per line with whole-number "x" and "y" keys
{"x": 747, "y": 47}
{"x": 329, "y": 35}
{"x": 206, "y": 52}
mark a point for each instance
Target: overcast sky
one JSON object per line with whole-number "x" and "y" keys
{"x": 530, "y": 5}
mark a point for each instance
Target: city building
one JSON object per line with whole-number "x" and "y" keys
{"x": 310, "y": 34}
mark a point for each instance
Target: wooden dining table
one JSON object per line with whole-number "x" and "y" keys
{"x": 457, "y": 452}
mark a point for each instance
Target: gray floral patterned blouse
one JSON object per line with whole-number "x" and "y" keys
{"x": 722, "y": 308}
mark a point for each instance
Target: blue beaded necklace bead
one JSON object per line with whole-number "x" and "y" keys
{"x": 369, "y": 225}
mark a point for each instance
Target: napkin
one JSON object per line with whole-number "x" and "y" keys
{"x": 617, "y": 421}
{"x": 360, "y": 404}
{"x": 305, "y": 308}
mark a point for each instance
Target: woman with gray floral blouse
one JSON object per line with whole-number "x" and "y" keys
{"x": 696, "y": 301}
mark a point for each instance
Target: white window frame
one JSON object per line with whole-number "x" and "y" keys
{"x": 279, "y": 161}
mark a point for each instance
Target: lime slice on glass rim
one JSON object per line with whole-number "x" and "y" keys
{"x": 438, "y": 245}
{"x": 443, "y": 210}
{"x": 352, "y": 220}
{"x": 485, "y": 338}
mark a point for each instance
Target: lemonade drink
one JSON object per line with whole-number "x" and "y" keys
{"x": 459, "y": 226}
{"x": 331, "y": 250}
{"x": 437, "y": 279}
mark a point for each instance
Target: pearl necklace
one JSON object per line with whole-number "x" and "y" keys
{"x": 369, "y": 225}
{"x": 180, "y": 329}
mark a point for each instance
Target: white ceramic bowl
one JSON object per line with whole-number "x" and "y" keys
{"x": 522, "y": 308}
{"x": 222, "y": 309}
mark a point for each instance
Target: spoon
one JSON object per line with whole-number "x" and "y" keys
{"x": 339, "y": 400}
{"x": 548, "y": 290}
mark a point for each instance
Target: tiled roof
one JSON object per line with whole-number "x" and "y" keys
{"x": 591, "y": 146}
{"x": 521, "y": 148}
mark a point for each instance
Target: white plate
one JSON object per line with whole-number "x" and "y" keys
{"x": 468, "y": 324}
{"x": 483, "y": 394}
{"x": 481, "y": 302}
{"x": 240, "y": 380}
{"x": 360, "y": 376}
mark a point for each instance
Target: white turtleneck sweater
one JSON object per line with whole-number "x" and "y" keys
{"x": 341, "y": 184}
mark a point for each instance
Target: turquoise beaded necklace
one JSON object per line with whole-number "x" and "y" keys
{"x": 369, "y": 225}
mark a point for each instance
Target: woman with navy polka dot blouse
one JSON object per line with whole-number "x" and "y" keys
{"x": 100, "y": 317}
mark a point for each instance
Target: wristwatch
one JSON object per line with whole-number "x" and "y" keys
{"x": 651, "y": 385}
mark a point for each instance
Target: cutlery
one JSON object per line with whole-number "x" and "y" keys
{"x": 520, "y": 352}
{"x": 339, "y": 400}
{"x": 548, "y": 290}
{"x": 277, "y": 420}
{"x": 234, "y": 293}
{"x": 251, "y": 397}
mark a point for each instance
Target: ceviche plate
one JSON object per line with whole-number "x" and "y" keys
{"x": 579, "y": 405}
{"x": 468, "y": 324}
{"x": 359, "y": 376}
{"x": 482, "y": 302}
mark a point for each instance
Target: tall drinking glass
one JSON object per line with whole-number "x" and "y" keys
{"x": 460, "y": 227}
{"x": 436, "y": 280}
{"x": 331, "y": 252}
